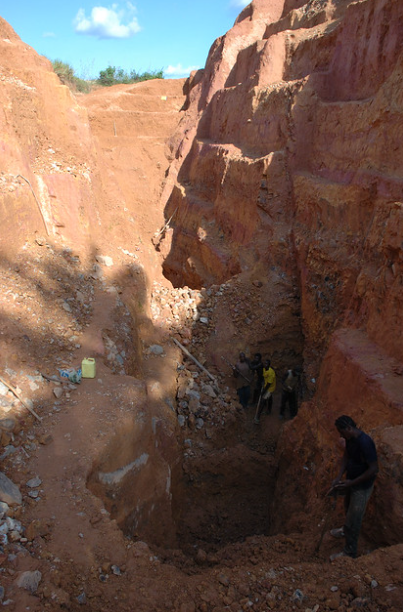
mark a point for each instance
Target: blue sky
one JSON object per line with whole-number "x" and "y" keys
{"x": 173, "y": 36}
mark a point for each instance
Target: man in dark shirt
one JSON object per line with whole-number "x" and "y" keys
{"x": 360, "y": 464}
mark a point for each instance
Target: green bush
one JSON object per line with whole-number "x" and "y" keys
{"x": 117, "y": 76}
{"x": 82, "y": 86}
{"x": 108, "y": 77}
{"x": 64, "y": 71}
{"x": 66, "y": 74}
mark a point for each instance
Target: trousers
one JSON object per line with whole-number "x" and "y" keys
{"x": 355, "y": 503}
{"x": 289, "y": 397}
{"x": 244, "y": 395}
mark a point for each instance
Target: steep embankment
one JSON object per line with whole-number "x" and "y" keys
{"x": 48, "y": 169}
{"x": 129, "y": 125}
{"x": 288, "y": 173}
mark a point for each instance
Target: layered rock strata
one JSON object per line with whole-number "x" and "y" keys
{"x": 288, "y": 165}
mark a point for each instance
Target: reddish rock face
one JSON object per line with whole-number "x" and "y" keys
{"x": 290, "y": 148}
{"x": 47, "y": 155}
{"x": 59, "y": 176}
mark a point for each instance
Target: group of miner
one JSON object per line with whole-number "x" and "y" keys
{"x": 258, "y": 375}
{"x": 256, "y": 382}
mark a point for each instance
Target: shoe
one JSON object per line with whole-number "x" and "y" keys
{"x": 337, "y": 533}
{"x": 256, "y": 421}
{"x": 338, "y": 555}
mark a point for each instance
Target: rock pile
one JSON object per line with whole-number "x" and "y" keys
{"x": 228, "y": 313}
{"x": 190, "y": 314}
{"x": 201, "y": 403}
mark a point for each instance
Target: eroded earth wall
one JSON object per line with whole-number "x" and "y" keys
{"x": 79, "y": 177}
{"x": 288, "y": 173}
{"x": 47, "y": 163}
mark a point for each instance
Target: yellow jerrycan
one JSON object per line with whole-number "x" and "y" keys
{"x": 88, "y": 367}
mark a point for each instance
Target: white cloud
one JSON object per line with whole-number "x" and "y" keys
{"x": 179, "y": 70}
{"x": 108, "y": 22}
{"x": 240, "y": 3}
{"x": 49, "y": 35}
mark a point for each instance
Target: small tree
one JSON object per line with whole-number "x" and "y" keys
{"x": 107, "y": 77}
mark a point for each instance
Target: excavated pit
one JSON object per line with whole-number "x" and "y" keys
{"x": 218, "y": 495}
{"x": 223, "y": 497}
{"x": 205, "y": 477}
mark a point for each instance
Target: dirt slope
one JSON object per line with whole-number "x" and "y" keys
{"x": 147, "y": 487}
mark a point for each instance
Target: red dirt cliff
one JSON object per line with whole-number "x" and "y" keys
{"x": 288, "y": 172}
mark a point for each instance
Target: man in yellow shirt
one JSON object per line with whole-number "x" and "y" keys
{"x": 269, "y": 386}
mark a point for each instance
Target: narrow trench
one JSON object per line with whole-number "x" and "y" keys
{"x": 224, "y": 497}
{"x": 221, "y": 488}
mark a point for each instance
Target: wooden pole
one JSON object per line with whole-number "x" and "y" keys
{"x": 166, "y": 224}
{"x": 195, "y": 360}
{"x": 36, "y": 200}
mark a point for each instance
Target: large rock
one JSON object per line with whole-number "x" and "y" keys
{"x": 29, "y": 581}
{"x": 9, "y": 492}
{"x": 387, "y": 515}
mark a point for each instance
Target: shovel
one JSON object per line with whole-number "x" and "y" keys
{"x": 258, "y": 405}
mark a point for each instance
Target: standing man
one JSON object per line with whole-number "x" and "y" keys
{"x": 289, "y": 393}
{"x": 243, "y": 377}
{"x": 360, "y": 463}
{"x": 269, "y": 381}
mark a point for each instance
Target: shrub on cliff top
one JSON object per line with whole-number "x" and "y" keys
{"x": 118, "y": 76}
{"x": 66, "y": 74}
{"x": 108, "y": 77}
